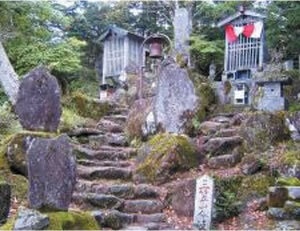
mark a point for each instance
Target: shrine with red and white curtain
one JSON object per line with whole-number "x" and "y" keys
{"x": 244, "y": 41}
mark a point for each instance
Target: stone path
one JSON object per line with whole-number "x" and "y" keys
{"x": 221, "y": 142}
{"x": 105, "y": 185}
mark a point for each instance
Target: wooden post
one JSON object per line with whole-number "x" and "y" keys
{"x": 104, "y": 71}
{"x": 261, "y": 50}
{"x": 126, "y": 51}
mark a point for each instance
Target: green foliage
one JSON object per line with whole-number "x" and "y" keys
{"x": 204, "y": 52}
{"x": 283, "y": 21}
{"x": 226, "y": 193}
{"x": 61, "y": 58}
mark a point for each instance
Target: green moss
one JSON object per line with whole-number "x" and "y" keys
{"x": 288, "y": 181}
{"x": 291, "y": 157}
{"x": 70, "y": 119}
{"x": 9, "y": 224}
{"x": 168, "y": 153}
{"x": 255, "y": 185}
{"x": 72, "y": 221}
{"x": 89, "y": 107}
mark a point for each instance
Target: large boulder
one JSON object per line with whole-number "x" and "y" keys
{"x": 175, "y": 96}
{"x": 261, "y": 130}
{"x": 5, "y": 193}
{"x": 29, "y": 219}
{"x": 165, "y": 154}
{"x": 51, "y": 173}
{"x": 38, "y": 101}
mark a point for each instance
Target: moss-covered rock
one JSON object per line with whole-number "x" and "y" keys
{"x": 288, "y": 181}
{"x": 17, "y": 146}
{"x": 165, "y": 154}
{"x": 71, "y": 221}
{"x": 255, "y": 186}
{"x": 290, "y": 161}
{"x": 261, "y": 130}
{"x": 89, "y": 107}
{"x": 70, "y": 120}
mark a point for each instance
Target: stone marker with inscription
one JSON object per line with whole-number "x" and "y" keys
{"x": 203, "y": 202}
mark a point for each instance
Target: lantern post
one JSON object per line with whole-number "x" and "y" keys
{"x": 156, "y": 42}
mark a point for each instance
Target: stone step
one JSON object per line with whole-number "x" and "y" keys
{"x": 227, "y": 132}
{"x": 113, "y": 218}
{"x": 142, "y": 206}
{"x": 113, "y": 139}
{"x": 116, "y": 220}
{"x": 101, "y": 201}
{"x": 84, "y": 131}
{"x": 125, "y": 191}
{"x": 211, "y": 127}
{"x": 111, "y": 173}
{"x": 149, "y": 226}
{"x": 224, "y": 161}
{"x": 222, "y": 145}
{"x": 104, "y": 153}
{"x": 221, "y": 119}
{"x": 93, "y": 163}
{"x": 109, "y": 126}
{"x": 119, "y": 119}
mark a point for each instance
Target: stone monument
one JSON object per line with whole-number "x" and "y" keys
{"x": 51, "y": 173}
{"x": 175, "y": 96}
{"x": 38, "y": 101}
{"x": 203, "y": 202}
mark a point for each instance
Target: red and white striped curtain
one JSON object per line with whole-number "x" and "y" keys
{"x": 249, "y": 31}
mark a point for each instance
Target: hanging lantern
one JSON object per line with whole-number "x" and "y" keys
{"x": 156, "y": 46}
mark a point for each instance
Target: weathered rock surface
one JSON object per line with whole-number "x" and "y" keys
{"x": 51, "y": 173}
{"x": 38, "y": 101}
{"x": 142, "y": 206}
{"x": 183, "y": 197}
{"x": 5, "y": 194}
{"x": 175, "y": 96}
{"x": 137, "y": 118}
{"x": 224, "y": 161}
{"x": 29, "y": 219}
{"x": 221, "y": 145}
{"x": 283, "y": 202}
{"x": 261, "y": 130}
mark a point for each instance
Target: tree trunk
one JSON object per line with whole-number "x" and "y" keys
{"x": 8, "y": 77}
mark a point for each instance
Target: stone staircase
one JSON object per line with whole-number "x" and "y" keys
{"x": 105, "y": 186}
{"x": 221, "y": 142}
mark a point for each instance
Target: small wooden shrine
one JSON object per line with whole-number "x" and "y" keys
{"x": 121, "y": 48}
{"x": 244, "y": 52}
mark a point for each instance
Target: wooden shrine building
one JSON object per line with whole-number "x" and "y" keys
{"x": 121, "y": 48}
{"x": 244, "y": 52}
